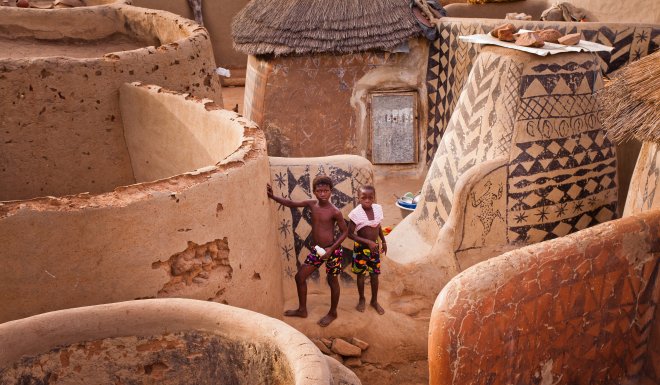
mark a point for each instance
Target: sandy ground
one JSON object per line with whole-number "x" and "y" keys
{"x": 33, "y": 48}
{"x": 398, "y": 339}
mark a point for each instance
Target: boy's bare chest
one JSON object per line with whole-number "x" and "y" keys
{"x": 320, "y": 214}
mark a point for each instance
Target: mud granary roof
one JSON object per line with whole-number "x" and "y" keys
{"x": 317, "y": 26}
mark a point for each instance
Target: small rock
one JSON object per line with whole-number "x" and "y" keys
{"x": 503, "y": 27}
{"x": 324, "y": 349}
{"x": 327, "y": 342}
{"x": 23, "y": 3}
{"x": 359, "y": 343}
{"x": 570, "y": 39}
{"x": 353, "y": 362}
{"x": 344, "y": 348}
{"x": 505, "y": 35}
{"x": 529, "y": 39}
{"x": 550, "y": 35}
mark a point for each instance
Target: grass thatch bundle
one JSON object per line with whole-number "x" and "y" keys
{"x": 313, "y": 26}
{"x": 630, "y": 102}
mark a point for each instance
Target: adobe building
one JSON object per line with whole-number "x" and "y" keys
{"x": 339, "y": 97}
{"x": 344, "y": 79}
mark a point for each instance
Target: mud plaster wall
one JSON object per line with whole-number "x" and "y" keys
{"x": 450, "y": 61}
{"x": 217, "y": 16}
{"x": 166, "y": 137}
{"x": 61, "y": 127}
{"x": 180, "y": 237}
{"x": 292, "y": 178}
{"x": 317, "y": 105}
{"x": 191, "y": 357}
{"x": 645, "y": 183}
{"x": 581, "y": 309}
{"x": 638, "y": 11}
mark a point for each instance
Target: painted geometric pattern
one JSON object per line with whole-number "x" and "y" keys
{"x": 469, "y": 137}
{"x": 562, "y": 172}
{"x": 295, "y": 182}
{"x": 594, "y": 319}
{"x": 559, "y": 186}
{"x": 450, "y": 61}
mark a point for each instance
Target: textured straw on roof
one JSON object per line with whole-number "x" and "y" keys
{"x": 631, "y": 102}
{"x": 312, "y": 26}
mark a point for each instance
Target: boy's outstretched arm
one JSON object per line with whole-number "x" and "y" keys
{"x": 284, "y": 201}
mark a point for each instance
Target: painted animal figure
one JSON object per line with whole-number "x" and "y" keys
{"x": 196, "y": 6}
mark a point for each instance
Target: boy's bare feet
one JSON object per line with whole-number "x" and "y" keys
{"x": 378, "y": 308}
{"x": 360, "y": 306}
{"x": 296, "y": 313}
{"x": 327, "y": 320}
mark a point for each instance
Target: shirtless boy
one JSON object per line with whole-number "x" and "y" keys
{"x": 364, "y": 229}
{"x": 324, "y": 218}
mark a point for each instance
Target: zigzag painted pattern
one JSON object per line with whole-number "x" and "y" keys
{"x": 468, "y": 139}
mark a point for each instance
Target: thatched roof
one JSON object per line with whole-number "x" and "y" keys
{"x": 630, "y": 103}
{"x": 314, "y": 26}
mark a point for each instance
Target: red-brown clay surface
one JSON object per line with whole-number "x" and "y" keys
{"x": 582, "y": 309}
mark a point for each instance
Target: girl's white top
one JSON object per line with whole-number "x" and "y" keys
{"x": 359, "y": 216}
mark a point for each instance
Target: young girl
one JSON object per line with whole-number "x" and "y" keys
{"x": 364, "y": 229}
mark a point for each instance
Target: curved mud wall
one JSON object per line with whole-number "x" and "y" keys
{"x": 184, "y": 236}
{"x": 166, "y": 137}
{"x": 582, "y": 309}
{"x": 167, "y": 341}
{"x": 61, "y": 125}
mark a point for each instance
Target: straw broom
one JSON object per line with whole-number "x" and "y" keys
{"x": 630, "y": 102}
